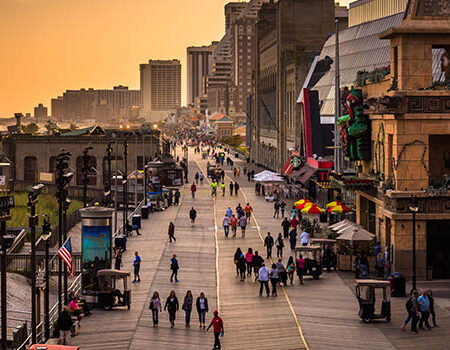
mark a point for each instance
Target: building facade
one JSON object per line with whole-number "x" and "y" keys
{"x": 289, "y": 34}
{"x": 40, "y": 112}
{"x": 57, "y": 108}
{"x": 232, "y": 11}
{"x": 362, "y": 11}
{"x": 160, "y": 88}
{"x": 199, "y": 65}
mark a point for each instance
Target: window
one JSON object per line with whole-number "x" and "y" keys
{"x": 30, "y": 170}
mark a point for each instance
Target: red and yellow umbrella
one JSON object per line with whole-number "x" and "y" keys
{"x": 301, "y": 201}
{"x": 341, "y": 208}
{"x": 333, "y": 204}
{"x": 303, "y": 205}
{"x": 313, "y": 209}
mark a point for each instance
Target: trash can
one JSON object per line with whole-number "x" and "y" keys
{"x": 144, "y": 213}
{"x": 136, "y": 220}
{"x": 121, "y": 242}
{"x": 398, "y": 285}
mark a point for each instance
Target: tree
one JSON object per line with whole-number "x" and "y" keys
{"x": 51, "y": 127}
{"x": 233, "y": 141}
{"x": 31, "y": 128}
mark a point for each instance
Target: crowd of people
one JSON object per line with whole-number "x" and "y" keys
{"x": 419, "y": 308}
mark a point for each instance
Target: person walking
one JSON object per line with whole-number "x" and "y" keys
{"x": 285, "y": 224}
{"x": 233, "y": 224}
{"x": 282, "y": 273}
{"x": 304, "y": 238}
{"x": 193, "y": 190}
{"x": 248, "y": 211}
{"x": 414, "y": 311}
{"x": 201, "y": 176}
{"x": 290, "y": 267}
{"x": 257, "y": 262}
{"x": 249, "y": 259}
{"x": 276, "y": 209}
{"x": 177, "y": 197}
{"x": 137, "y": 267}
{"x": 294, "y": 223}
{"x": 156, "y": 307}
{"x": 222, "y": 175}
{"x": 234, "y": 172}
{"x": 243, "y": 225}
{"x": 187, "y": 307}
{"x": 241, "y": 265}
{"x": 197, "y": 176}
{"x": 226, "y": 225}
{"x": 237, "y": 256}
{"x": 229, "y": 212}
{"x": 118, "y": 258}
{"x": 424, "y": 308}
{"x": 236, "y": 188}
{"x": 301, "y": 267}
{"x": 192, "y": 215}
{"x": 171, "y": 232}
{"x": 263, "y": 278}
{"x": 174, "y": 266}
{"x": 293, "y": 238}
{"x": 432, "y": 311}
{"x": 379, "y": 265}
{"x": 222, "y": 186}
{"x": 65, "y": 324}
{"x": 274, "y": 279}
{"x": 280, "y": 245}
{"x": 172, "y": 307}
{"x": 214, "y": 188}
{"x": 268, "y": 243}
{"x": 231, "y": 188}
{"x": 218, "y": 329}
{"x": 202, "y": 308}
{"x": 282, "y": 208}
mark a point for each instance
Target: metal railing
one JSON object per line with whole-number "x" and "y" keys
{"x": 53, "y": 316}
{"x": 21, "y": 263}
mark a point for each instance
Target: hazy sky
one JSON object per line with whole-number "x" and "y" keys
{"x": 48, "y": 46}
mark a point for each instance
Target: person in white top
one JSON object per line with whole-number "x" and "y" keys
{"x": 304, "y": 238}
{"x": 263, "y": 277}
{"x": 226, "y": 225}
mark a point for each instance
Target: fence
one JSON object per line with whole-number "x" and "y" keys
{"x": 21, "y": 263}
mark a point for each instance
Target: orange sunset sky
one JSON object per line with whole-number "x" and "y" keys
{"x": 48, "y": 46}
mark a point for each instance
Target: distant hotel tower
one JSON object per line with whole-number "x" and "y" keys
{"x": 160, "y": 88}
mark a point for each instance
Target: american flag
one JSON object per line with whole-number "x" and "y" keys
{"x": 65, "y": 252}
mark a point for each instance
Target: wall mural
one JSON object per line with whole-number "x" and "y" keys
{"x": 355, "y": 128}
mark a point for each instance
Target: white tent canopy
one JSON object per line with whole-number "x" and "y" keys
{"x": 268, "y": 176}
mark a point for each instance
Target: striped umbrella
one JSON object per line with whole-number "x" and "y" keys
{"x": 333, "y": 204}
{"x": 301, "y": 201}
{"x": 313, "y": 209}
{"x": 341, "y": 208}
{"x": 303, "y": 205}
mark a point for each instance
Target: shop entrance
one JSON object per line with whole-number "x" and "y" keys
{"x": 438, "y": 241}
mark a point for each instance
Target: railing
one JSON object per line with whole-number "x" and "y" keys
{"x": 19, "y": 242}
{"x": 53, "y": 316}
{"x": 135, "y": 211}
{"x": 21, "y": 263}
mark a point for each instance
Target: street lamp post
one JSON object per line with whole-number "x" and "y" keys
{"x": 108, "y": 179}
{"x": 414, "y": 208}
{"x": 46, "y": 234}
{"x": 86, "y": 159}
{"x": 125, "y": 185}
{"x": 6, "y": 241}
{"x": 33, "y": 221}
{"x": 63, "y": 178}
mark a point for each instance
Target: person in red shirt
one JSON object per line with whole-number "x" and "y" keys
{"x": 193, "y": 189}
{"x": 233, "y": 224}
{"x": 218, "y": 329}
{"x": 248, "y": 212}
{"x": 294, "y": 223}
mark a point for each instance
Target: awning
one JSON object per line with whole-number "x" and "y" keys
{"x": 303, "y": 174}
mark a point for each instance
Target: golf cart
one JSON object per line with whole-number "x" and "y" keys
{"x": 110, "y": 283}
{"x": 313, "y": 256}
{"x": 367, "y": 292}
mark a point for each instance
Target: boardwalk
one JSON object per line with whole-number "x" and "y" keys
{"x": 321, "y": 314}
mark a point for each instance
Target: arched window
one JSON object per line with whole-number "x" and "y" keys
{"x": 92, "y": 174}
{"x": 30, "y": 169}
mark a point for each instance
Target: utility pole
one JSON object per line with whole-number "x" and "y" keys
{"x": 33, "y": 221}
{"x": 337, "y": 106}
{"x": 63, "y": 178}
{"x": 6, "y": 241}
{"x": 86, "y": 160}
